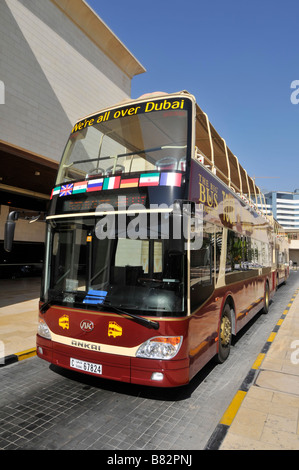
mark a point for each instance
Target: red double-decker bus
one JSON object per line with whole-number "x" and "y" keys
{"x": 155, "y": 252}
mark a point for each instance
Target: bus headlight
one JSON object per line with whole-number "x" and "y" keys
{"x": 160, "y": 347}
{"x": 43, "y": 329}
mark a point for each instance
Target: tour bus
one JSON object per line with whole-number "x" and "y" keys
{"x": 155, "y": 253}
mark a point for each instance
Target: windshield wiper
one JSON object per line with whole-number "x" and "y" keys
{"x": 143, "y": 321}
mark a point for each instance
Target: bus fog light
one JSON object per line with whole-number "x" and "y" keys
{"x": 40, "y": 350}
{"x": 160, "y": 347}
{"x": 157, "y": 376}
{"x": 43, "y": 329}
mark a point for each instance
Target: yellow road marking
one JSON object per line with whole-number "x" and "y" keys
{"x": 258, "y": 361}
{"x": 233, "y": 408}
{"x": 26, "y": 354}
{"x": 271, "y": 337}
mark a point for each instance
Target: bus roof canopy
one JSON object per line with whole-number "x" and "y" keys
{"x": 223, "y": 162}
{"x": 215, "y": 154}
{"x": 220, "y": 159}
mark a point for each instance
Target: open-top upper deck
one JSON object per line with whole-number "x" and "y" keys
{"x": 150, "y": 142}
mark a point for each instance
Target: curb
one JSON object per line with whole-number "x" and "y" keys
{"x": 12, "y": 358}
{"x": 223, "y": 426}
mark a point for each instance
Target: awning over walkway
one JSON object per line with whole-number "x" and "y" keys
{"x": 26, "y": 179}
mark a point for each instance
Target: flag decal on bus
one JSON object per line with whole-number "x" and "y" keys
{"x": 95, "y": 185}
{"x": 112, "y": 183}
{"x": 115, "y": 182}
{"x": 80, "y": 187}
{"x": 55, "y": 191}
{"x": 149, "y": 179}
{"x": 129, "y": 183}
{"x": 171, "y": 179}
{"x": 66, "y": 190}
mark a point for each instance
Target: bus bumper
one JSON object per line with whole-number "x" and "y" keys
{"x": 149, "y": 372}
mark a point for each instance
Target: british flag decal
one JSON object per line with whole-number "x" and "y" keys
{"x": 66, "y": 190}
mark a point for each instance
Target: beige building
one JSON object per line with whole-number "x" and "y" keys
{"x": 293, "y": 236}
{"x": 58, "y": 62}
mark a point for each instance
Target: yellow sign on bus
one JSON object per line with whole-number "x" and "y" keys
{"x": 64, "y": 322}
{"x": 114, "y": 329}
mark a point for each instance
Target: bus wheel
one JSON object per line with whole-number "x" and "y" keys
{"x": 225, "y": 335}
{"x": 266, "y": 299}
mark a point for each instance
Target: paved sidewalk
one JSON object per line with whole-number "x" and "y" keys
{"x": 18, "y": 315}
{"x": 267, "y": 416}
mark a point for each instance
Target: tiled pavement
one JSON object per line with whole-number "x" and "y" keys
{"x": 266, "y": 416}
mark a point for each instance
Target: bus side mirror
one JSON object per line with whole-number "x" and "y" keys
{"x": 10, "y": 230}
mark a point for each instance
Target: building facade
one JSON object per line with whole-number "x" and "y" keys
{"x": 285, "y": 208}
{"x": 58, "y": 62}
{"x": 294, "y": 248}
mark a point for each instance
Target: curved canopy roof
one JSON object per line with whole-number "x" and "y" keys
{"x": 223, "y": 162}
{"x": 212, "y": 151}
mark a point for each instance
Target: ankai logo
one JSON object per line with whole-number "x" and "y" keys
{"x": 86, "y": 325}
{"x": 114, "y": 329}
{"x": 64, "y": 322}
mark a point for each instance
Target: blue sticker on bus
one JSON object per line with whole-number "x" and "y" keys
{"x": 95, "y": 297}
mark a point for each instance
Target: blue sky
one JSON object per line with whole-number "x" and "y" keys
{"x": 237, "y": 57}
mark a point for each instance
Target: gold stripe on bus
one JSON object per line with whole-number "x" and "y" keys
{"x": 95, "y": 347}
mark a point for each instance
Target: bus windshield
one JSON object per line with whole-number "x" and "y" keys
{"x": 144, "y": 137}
{"x": 142, "y": 276}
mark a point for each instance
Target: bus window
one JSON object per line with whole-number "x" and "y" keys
{"x": 131, "y": 143}
{"x": 234, "y": 253}
{"x": 201, "y": 270}
{"x": 69, "y": 260}
{"x": 145, "y": 275}
{"x": 217, "y": 245}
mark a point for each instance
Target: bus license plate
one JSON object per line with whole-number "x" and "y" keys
{"x": 85, "y": 366}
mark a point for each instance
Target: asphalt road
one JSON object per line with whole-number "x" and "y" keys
{"x": 45, "y": 407}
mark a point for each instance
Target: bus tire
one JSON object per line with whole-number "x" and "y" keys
{"x": 225, "y": 335}
{"x": 266, "y": 298}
